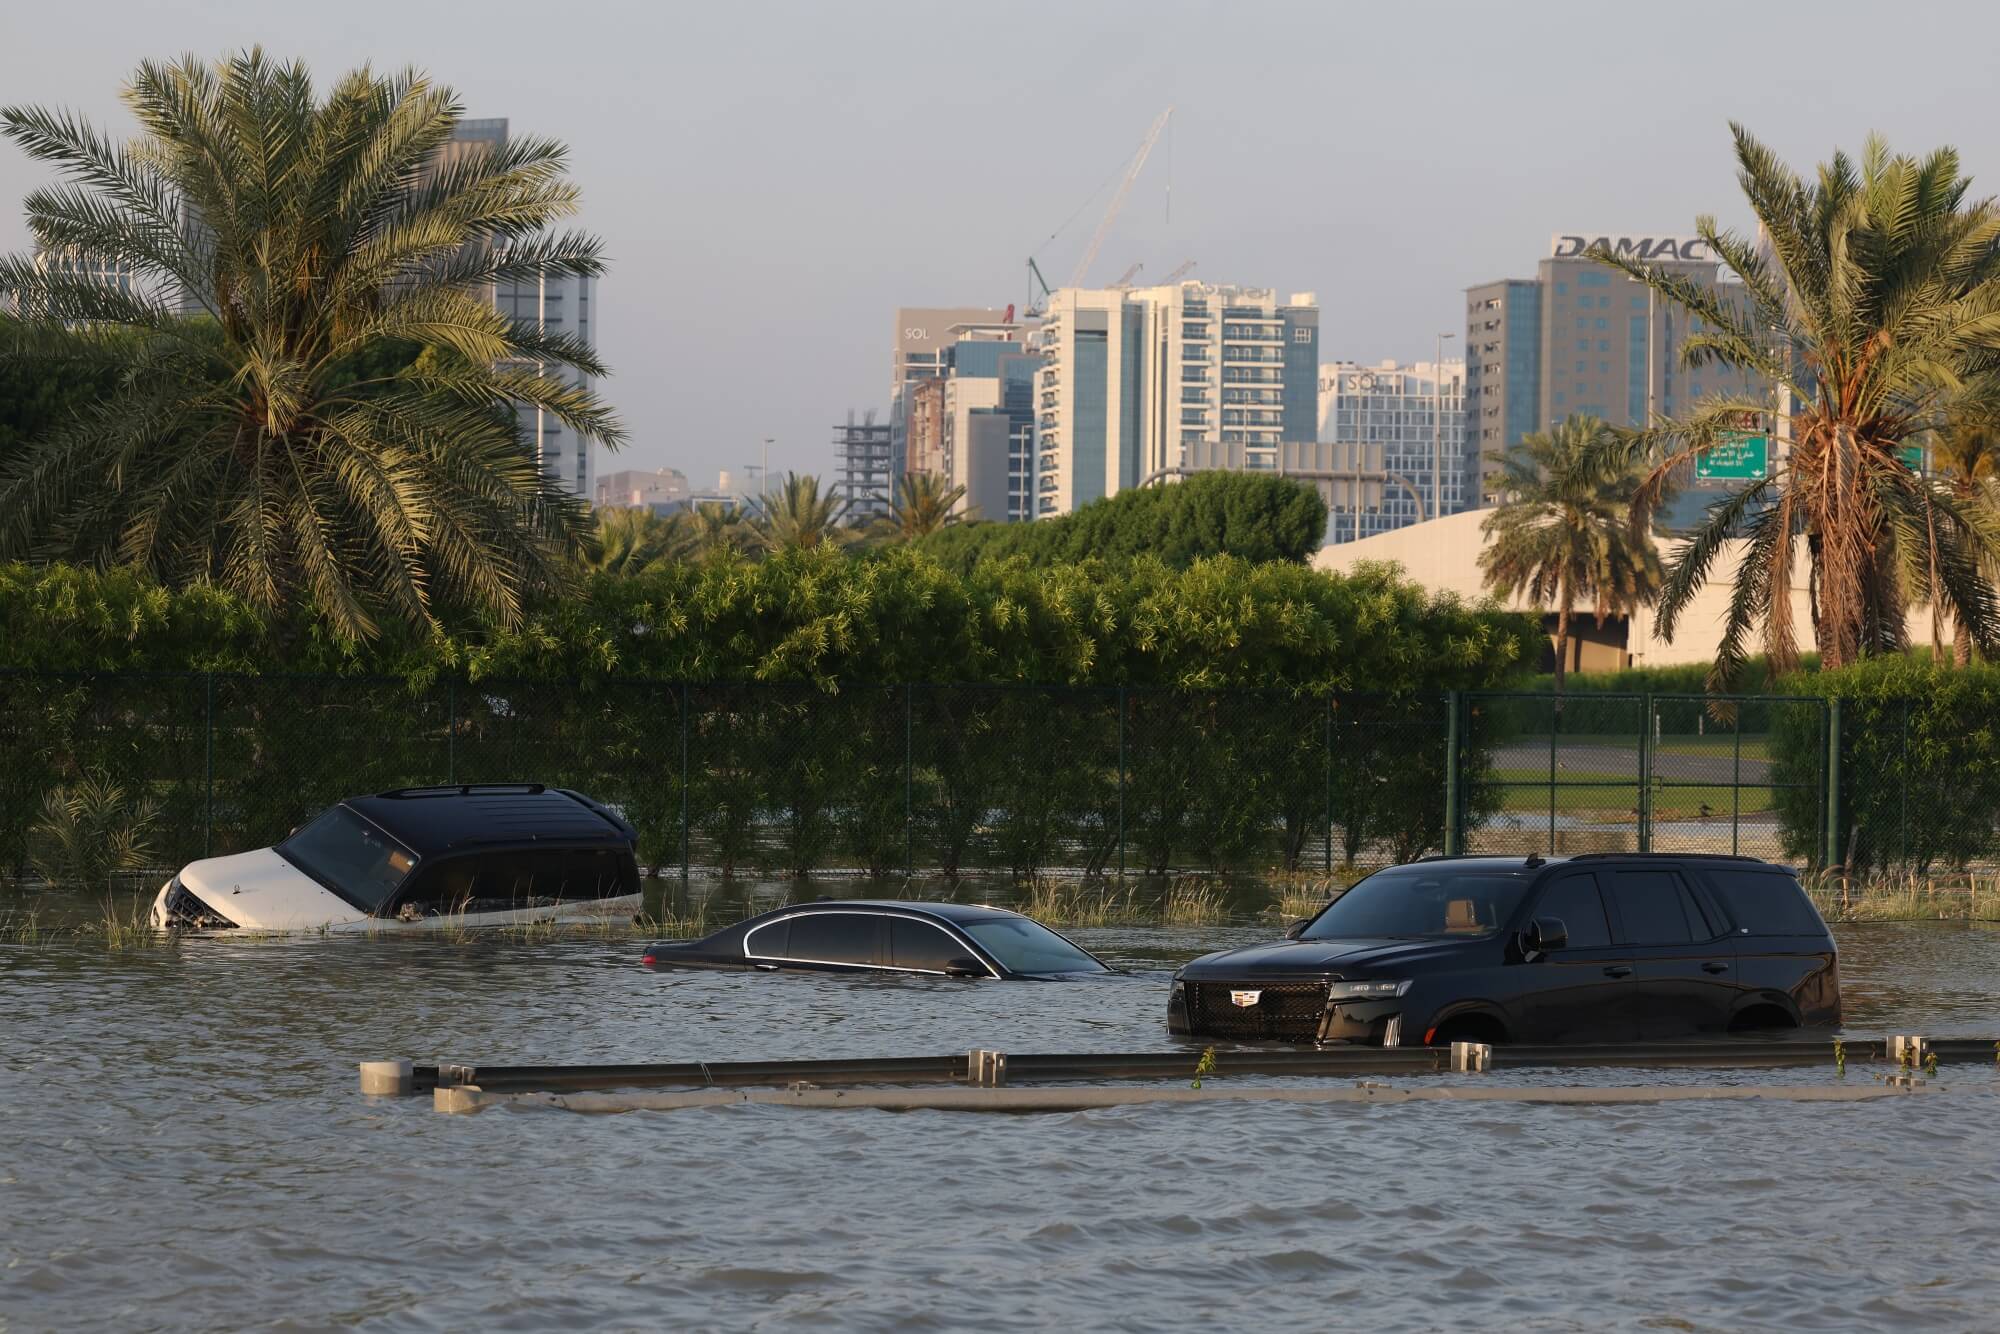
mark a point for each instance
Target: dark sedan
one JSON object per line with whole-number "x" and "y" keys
{"x": 1594, "y": 948}
{"x": 886, "y": 936}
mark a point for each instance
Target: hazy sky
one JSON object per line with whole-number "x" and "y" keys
{"x": 773, "y": 180}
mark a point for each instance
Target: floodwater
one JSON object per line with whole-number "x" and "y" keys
{"x": 184, "y": 1148}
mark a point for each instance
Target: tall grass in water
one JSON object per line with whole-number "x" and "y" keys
{"x": 1080, "y": 903}
{"x": 1904, "y": 898}
{"x": 1193, "y": 901}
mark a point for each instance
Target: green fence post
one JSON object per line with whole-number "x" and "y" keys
{"x": 1121, "y": 780}
{"x": 1736, "y": 783}
{"x": 450, "y": 731}
{"x": 1326, "y": 853}
{"x": 684, "y": 787}
{"x": 1452, "y": 838}
{"x": 208, "y": 769}
{"x": 1555, "y": 722}
{"x": 1646, "y": 773}
{"x": 1832, "y": 777}
{"x": 909, "y": 777}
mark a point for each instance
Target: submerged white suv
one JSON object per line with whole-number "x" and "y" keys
{"x": 486, "y": 854}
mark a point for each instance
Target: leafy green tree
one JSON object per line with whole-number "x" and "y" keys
{"x": 924, "y": 504}
{"x": 1563, "y": 531}
{"x": 243, "y": 447}
{"x": 1873, "y": 293}
{"x": 634, "y": 541}
{"x": 715, "y": 526}
{"x": 797, "y": 517}
{"x": 1965, "y": 454}
{"x": 1254, "y": 517}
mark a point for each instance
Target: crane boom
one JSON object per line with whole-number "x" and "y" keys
{"x": 1179, "y": 273}
{"x": 1118, "y": 200}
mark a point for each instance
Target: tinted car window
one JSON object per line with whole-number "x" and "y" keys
{"x": 1766, "y": 903}
{"x": 1029, "y": 947}
{"x": 832, "y": 937}
{"x": 1424, "y": 900}
{"x": 1654, "y": 909}
{"x": 494, "y": 881}
{"x": 349, "y": 856}
{"x": 914, "y": 944}
{"x": 1575, "y": 901}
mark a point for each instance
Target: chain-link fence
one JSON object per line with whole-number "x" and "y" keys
{"x": 888, "y": 780}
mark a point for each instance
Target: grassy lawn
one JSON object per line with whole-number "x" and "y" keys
{"x": 1713, "y": 747}
{"x": 1616, "y": 795}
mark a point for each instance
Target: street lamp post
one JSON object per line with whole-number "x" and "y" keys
{"x": 1437, "y": 427}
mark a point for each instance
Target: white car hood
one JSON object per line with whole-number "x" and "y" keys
{"x": 261, "y": 891}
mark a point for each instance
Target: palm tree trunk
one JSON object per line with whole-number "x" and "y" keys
{"x": 1562, "y": 634}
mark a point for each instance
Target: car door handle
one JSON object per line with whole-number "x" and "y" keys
{"x": 1618, "y": 970}
{"x": 1713, "y": 967}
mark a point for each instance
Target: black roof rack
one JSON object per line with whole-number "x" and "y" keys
{"x": 1684, "y": 856}
{"x": 465, "y": 790}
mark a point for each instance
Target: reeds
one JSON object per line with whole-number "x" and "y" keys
{"x": 1906, "y": 897}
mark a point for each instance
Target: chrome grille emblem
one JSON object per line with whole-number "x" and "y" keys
{"x": 1245, "y": 999}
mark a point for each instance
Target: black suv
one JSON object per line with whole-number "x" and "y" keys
{"x": 1610, "y": 947}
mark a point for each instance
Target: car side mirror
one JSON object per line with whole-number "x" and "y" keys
{"x": 964, "y": 967}
{"x": 1298, "y": 928}
{"x": 1547, "y": 933}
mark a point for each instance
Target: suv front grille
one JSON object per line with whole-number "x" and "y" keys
{"x": 1285, "y": 1011}
{"x": 185, "y": 912}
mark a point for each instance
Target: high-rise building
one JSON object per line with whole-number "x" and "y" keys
{"x": 1409, "y": 421}
{"x": 989, "y": 427}
{"x": 561, "y": 305}
{"x": 864, "y": 474}
{"x": 1137, "y": 377}
{"x": 921, "y": 351}
{"x": 1582, "y": 337}
{"x": 71, "y": 262}
{"x": 662, "y": 492}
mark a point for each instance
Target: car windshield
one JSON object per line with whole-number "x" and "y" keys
{"x": 1424, "y": 900}
{"x": 349, "y": 856}
{"x": 1024, "y": 946}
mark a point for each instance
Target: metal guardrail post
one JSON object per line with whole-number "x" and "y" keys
{"x": 1831, "y": 773}
{"x": 1452, "y": 837}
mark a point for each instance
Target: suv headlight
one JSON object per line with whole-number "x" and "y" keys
{"x": 1343, "y": 991}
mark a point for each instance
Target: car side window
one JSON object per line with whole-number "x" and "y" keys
{"x": 1576, "y": 901}
{"x": 1765, "y": 903}
{"x": 498, "y": 881}
{"x": 834, "y": 937}
{"x": 919, "y": 945}
{"x": 1654, "y": 908}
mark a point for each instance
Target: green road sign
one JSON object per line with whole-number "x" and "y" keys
{"x": 1739, "y": 458}
{"x": 1912, "y": 457}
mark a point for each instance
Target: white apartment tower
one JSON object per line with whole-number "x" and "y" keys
{"x": 554, "y": 305}
{"x": 1143, "y": 383}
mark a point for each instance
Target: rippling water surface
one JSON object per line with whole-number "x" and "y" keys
{"x": 183, "y": 1147}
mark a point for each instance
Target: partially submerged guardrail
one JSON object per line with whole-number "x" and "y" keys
{"x": 984, "y": 1067}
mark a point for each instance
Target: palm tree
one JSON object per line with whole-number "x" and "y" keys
{"x": 1872, "y": 292}
{"x": 1563, "y": 531}
{"x": 717, "y": 525}
{"x": 1965, "y": 456}
{"x": 638, "y": 541}
{"x": 797, "y": 517}
{"x": 336, "y": 427}
{"x": 924, "y": 504}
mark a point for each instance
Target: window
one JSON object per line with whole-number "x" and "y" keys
{"x": 349, "y": 856}
{"x": 501, "y": 881}
{"x": 1302, "y": 335}
{"x": 1654, "y": 909}
{"x": 1602, "y": 323}
{"x": 1765, "y": 903}
{"x": 919, "y": 945}
{"x": 831, "y": 937}
{"x": 1575, "y": 902}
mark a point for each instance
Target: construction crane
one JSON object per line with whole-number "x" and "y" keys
{"x": 1118, "y": 200}
{"x": 1125, "y": 278}
{"x": 1179, "y": 273}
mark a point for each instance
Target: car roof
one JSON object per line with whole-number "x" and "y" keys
{"x": 1558, "y": 859}
{"x": 433, "y": 820}
{"x": 949, "y": 912}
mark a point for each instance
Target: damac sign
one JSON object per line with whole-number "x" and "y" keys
{"x": 1635, "y": 247}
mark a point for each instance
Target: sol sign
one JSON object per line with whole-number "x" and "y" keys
{"x": 1571, "y": 246}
